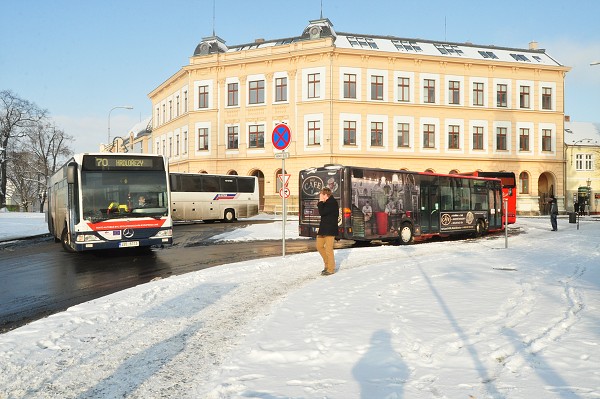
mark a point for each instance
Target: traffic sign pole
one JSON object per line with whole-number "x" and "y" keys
{"x": 281, "y": 140}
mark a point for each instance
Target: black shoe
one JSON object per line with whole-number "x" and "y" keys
{"x": 326, "y": 273}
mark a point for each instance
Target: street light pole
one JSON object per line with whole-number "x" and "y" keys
{"x": 109, "y": 112}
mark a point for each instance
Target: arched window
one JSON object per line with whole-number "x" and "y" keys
{"x": 429, "y": 171}
{"x": 232, "y": 173}
{"x": 524, "y": 183}
{"x": 453, "y": 172}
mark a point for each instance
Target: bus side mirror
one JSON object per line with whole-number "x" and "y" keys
{"x": 71, "y": 173}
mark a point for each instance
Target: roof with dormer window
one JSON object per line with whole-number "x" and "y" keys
{"x": 322, "y": 28}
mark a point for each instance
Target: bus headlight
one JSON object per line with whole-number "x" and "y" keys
{"x": 165, "y": 233}
{"x": 86, "y": 238}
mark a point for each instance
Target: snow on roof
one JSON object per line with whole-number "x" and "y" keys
{"x": 582, "y": 133}
{"x": 378, "y": 43}
{"x": 140, "y": 127}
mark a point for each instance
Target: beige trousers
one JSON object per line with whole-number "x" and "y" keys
{"x": 325, "y": 248}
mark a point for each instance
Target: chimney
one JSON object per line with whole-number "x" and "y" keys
{"x": 258, "y": 41}
{"x": 533, "y": 45}
{"x": 567, "y": 118}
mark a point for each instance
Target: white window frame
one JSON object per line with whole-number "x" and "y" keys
{"x": 472, "y": 82}
{"x": 509, "y": 99}
{"x": 461, "y": 94}
{"x": 351, "y": 71}
{"x": 552, "y": 128}
{"x": 355, "y": 118}
{"x": 461, "y": 136}
{"x": 552, "y": 86}
{"x": 313, "y": 147}
{"x": 411, "y": 86}
{"x": 197, "y": 85}
{"x": 532, "y": 135}
{"x": 436, "y": 123}
{"x": 508, "y": 126}
{"x": 411, "y": 133}
{"x": 322, "y": 83}
{"x": 202, "y": 125}
{"x": 434, "y": 77}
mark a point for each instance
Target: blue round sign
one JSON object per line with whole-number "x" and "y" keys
{"x": 281, "y": 136}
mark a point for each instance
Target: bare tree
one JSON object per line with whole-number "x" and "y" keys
{"x": 49, "y": 147}
{"x": 21, "y": 173}
{"x": 15, "y": 115}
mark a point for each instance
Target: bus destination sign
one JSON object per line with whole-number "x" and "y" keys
{"x": 104, "y": 162}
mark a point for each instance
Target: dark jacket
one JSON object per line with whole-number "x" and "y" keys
{"x": 329, "y": 211}
{"x": 553, "y": 207}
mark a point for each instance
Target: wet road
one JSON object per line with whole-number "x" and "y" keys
{"x": 37, "y": 278}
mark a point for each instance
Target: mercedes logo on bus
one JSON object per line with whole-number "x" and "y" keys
{"x": 128, "y": 233}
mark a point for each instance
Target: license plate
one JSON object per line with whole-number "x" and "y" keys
{"x": 128, "y": 244}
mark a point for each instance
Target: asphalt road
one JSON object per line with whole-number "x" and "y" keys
{"x": 38, "y": 278}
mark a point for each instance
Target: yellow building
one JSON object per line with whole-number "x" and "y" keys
{"x": 378, "y": 101}
{"x": 582, "y": 147}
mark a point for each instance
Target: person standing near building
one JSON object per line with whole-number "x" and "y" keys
{"x": 328, "y": 229}
{"x": 553, "y": 212}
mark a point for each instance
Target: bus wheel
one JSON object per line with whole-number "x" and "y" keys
{"x": 406, "y": 234}
{"x": 479, "y": 228}
{"x": 229, "y": 216}
{"x": 65, "y": 240}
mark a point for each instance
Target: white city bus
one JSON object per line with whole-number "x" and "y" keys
{"x": 103, "y": 201}
{"x": 209, "y": 197}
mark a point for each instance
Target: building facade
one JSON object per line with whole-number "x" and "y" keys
{"x": 377, "y": 101}
{"x": 582, "y": 147}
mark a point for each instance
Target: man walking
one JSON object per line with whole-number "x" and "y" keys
{"x": 328, "y": 229}
{"x": 553, "y": 212}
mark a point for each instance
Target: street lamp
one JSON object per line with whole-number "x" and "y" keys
{"x": 109, "y": 112}
{"x": 595, "y": 63}
{"x": 577, "y": 142}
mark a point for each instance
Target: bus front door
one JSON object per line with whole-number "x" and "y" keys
{"x": 430, "y": 206}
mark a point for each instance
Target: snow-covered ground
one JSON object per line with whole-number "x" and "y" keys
{"x": 450, "y": 319}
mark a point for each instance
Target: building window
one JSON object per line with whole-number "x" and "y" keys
{"x": 478, "y": 137}
{"x": 589, "y": 162}
{"x": 185, "y": 101}
{"x": 478, "y": 94}
{"x": 454, "y": 92}
{"x": 429, "y": 91}
{"x": 523, "y": 139}
{"x": 177, "y": 145}
{"x": 170, "y": 109}
{"x": 547, "y": 98}
{"x": 256, "y": 136}
{"x": 579, "y": 161}
{"x": 376, "y": 87}
{"x": 428, "y": 136}
{"x": 157, "y": 116}
{"x": 524, "y": 183}
{"x": 177, "y": 109}
{"x": 404, "y": 89}
{"x": 281, "y": 89}
{"x": 256, "y": 92}
{"x": 232, "y": 137}
{"x": 314, "y": 132}
{"x": 502, "y": 96}
{"x": 349, "y": 85}
{"x": 164, "y": 113}
{"x": 185, "y": 143}
{"x": 233, "y": 92}
{"x": 202, "y": 139}
{"x": 546, "y": 140}
{"x": 376, "y": 134}
{"x": 453, "y": 137}
{"x": 170, "y": 153}
{"x": 314, "y": 85}
{"x": 203, "y": 97}
{"x": 524, "y": 96}
{"x": 403, "y": 135}
{"x": 349, "y": 132}
{"x": 501, "y": 138}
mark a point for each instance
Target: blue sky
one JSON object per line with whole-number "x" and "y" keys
{"x": 78, "y": 59}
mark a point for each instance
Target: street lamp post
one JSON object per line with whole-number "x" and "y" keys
{"x": 109, "y": 112}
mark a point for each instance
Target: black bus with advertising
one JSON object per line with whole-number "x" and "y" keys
{"x": 399, "y": 205}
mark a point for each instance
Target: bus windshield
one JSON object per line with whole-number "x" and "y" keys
{"x": 123, "y": 194}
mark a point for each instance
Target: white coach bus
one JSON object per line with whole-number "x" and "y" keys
{"x": 209, "y": 197}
